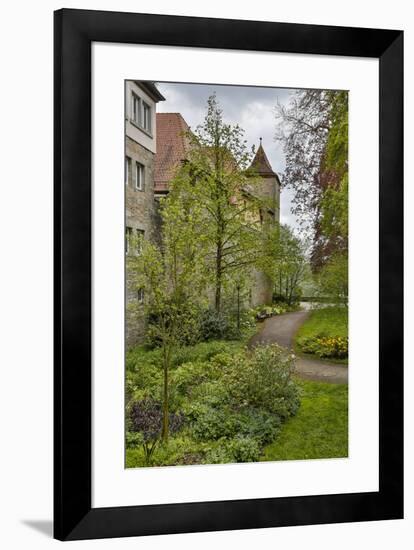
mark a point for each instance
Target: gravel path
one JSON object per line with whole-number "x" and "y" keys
{"x": 281, "y": 330}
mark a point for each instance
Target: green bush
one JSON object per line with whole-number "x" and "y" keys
{"x": 214, "y": 423}
{"x": 259, "y": 425}
{"x": 180, "y": 449}
{"x": 215, "y": 420}
{"x": 133, "y": 439}
{"x": 244, "y": 449}
{"x": 218, "y": 455}
{"x": 221, "y": 325}
{"x": 264, "y": 380}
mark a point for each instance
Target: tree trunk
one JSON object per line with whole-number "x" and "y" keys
{"x": 165, "y": 411}
{"x": 238, "y": 307}
{"x": 218, "y": 278}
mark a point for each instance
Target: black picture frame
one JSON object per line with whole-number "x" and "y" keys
{"x": 74, "y": 32}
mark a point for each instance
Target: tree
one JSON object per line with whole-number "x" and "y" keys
{"x": 333, "y": 278}
{"x": 172, "y": 277}
{"x": 314, "y": 131}
{"x": 216, "y": 178}
{"x": 286, "y": 263}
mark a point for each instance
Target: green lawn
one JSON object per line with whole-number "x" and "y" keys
{"x": 320, "y": 428}
{"x": 327, "y": 322}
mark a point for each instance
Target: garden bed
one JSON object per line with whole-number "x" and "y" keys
{"x": 324, "y": 335}
{"x": 225, "y": 403}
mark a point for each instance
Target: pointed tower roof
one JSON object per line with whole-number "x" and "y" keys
{"x": 261, "y": 164}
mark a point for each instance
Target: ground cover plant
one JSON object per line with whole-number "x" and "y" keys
{"x": 226, "y": 403}
{"x": 325, "y": 334}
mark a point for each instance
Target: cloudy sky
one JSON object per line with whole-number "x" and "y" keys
{"x": 250, "y": 107}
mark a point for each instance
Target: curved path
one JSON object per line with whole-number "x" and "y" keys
{"x": 281, "y": 330}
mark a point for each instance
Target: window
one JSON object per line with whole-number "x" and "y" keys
{"x": 140, "y": 295}
{"x": 146, "y": 117}
{"x": 127, "y": 170}
{"x": 128, "y": 237}
{"x": 140, "y": 113}
{"x": 139, "y": 176}
{"x": 140, "y": 240}
{"x": 136, "y": 109}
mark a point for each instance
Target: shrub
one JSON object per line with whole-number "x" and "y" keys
{"x": 224, "y": 325}
{"x": 134, "y": 439}
{"x": 146, "y": 418}
{"x": 259, "y": 425}
{"x": 325, "y": 346}
{"x": 212, "y": 325}
{"x": 203, "y": 351}
{"x": 264, "y": 380}
{"x": 179, "y": 449}
{"x": 190, "y": 375}
{"x": 244, "y": 449}
{"x": 214, "y": 423}
{"x": 211, "y": 422}
{"x": 218, "y": 455}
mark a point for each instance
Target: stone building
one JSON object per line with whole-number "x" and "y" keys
{"x": 156, "y": 145}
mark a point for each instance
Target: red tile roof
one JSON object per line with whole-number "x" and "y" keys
{"x": 172, "y": 148}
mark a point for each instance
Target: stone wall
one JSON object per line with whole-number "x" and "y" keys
{"x": 140, "y": 214}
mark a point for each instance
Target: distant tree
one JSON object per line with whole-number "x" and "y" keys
{"x": 333, "y": 278}
{"x": 286, "y": 262}
{"x": 216, "y": 177}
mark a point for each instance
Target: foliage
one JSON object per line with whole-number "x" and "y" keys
{"x": 264, "y": 379}
{"x": 215, "y": 325}
{"x": 215, "y": 178}
{"x": 285, "y": 263}
{"x": 325, "y": 333}
{"x": 314, "y": 131}
{"x": 333, "y": 279}
{"x": 172, "y": 278}
{"x": 147, "y": 419}
{"x": 325, "y": 346}
{"x": 224, "y": 325}
{"x": 320, "y": 428}
{"x": 244, "y": 449}
{"x": 227, "y": 403}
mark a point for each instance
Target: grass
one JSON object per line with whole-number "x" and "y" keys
{"x": 320, "y": 428}
{"x": 327, "y": 322}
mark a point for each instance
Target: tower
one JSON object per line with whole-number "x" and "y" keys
{"x": 269, "y": 186}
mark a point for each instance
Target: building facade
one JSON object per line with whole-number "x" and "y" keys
{"x": 141, "y": 99}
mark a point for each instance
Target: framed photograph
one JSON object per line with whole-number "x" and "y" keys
{"x": 228, "y": 274}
